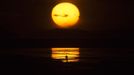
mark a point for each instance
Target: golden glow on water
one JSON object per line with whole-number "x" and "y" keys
{"x": 65, "y": 14}
{"x": 66, "y": 54}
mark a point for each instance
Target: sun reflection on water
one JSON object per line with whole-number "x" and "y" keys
{"x": 66, "y": 54}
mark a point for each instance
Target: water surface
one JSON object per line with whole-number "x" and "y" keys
{"x": 94, "y": 61}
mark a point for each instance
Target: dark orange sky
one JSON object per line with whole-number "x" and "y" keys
{"x": 99, "y": 18}
{"x": 33, "y": 15}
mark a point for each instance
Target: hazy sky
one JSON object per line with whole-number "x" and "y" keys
{"x": 27, "y": 16}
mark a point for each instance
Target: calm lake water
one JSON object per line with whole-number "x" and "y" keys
{"x": 67, "y": 61}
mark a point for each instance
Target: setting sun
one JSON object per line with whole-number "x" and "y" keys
{"x": 65, "y": 14}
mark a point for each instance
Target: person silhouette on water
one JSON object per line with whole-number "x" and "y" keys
{"x": 66, "y": 58}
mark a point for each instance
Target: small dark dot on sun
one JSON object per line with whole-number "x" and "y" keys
{"x": 56, "y": 15}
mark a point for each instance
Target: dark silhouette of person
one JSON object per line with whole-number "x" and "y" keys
{"x": 66, "y": 58}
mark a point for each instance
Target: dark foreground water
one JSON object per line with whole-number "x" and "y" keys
{"x": 87, "y": 61}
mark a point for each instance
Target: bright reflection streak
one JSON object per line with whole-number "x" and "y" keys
{"x": 66, "y": 54}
